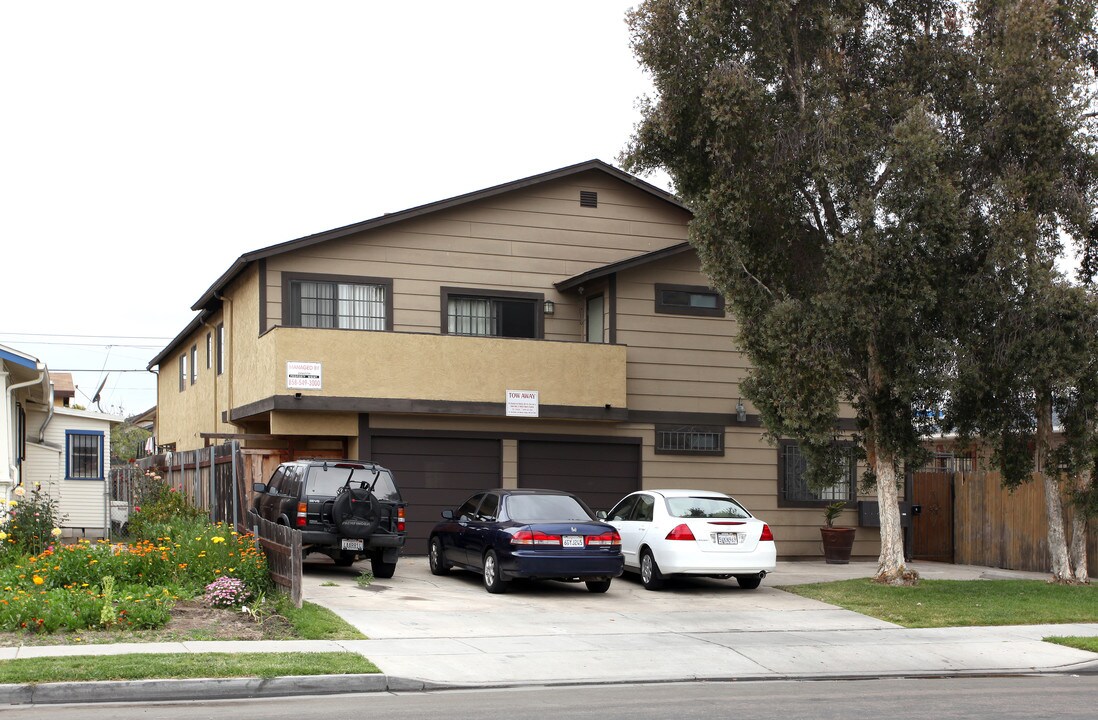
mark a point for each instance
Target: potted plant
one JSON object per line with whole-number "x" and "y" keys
{"x": 837, "y": 541}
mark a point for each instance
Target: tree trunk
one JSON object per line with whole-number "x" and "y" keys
{"x": 1054, "y": 506}
{"x": 891, "y": 568}
{"x": 1079, "y": 530}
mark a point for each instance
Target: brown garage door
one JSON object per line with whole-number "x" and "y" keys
{"x": 600, "y": 473}
{"x": 434, "y": 474}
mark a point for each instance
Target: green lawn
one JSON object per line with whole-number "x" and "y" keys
{"x": 1081, "y": 643}
{"x": 952, "y": 603}
{"x": 174, "y": 666}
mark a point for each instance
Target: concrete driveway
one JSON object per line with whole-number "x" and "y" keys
{"x": 449, "y": 631}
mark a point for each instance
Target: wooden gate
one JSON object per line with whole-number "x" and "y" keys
{"x": 932, "y": 528}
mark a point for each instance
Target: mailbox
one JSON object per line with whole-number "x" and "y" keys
{"x": 869, "y": 514}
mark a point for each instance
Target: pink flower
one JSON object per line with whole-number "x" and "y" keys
{"x": 136, "y": 508}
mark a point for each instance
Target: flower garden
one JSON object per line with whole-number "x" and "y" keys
{"x": 173, "y": 553}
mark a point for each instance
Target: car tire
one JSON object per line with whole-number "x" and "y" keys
{"x": 749, "y": 582}
{"x": 436, "y": 558}
{"x": 356, "y": 512}
{"x": 650, "y": 571}
{"x": 493, "y": 580}
{"x": 598, "y": 586}
{"x": 381, "y": 569}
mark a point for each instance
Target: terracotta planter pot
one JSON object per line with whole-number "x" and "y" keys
{"x": 837, "y": 544}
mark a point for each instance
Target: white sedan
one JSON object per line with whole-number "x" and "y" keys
{"x": 692, "y": 532}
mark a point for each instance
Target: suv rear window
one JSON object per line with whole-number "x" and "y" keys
{"x": 328, "y": 479}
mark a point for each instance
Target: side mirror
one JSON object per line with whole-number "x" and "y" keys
{"x": 447, "y": 514}
{"x": 600, "y": 514}
{"x": 259, "y": 487}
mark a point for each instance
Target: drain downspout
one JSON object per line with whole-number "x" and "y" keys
{"x": 15, "y": 472}
{"x": 49, "y": 416}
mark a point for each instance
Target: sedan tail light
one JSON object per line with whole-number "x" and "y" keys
{"x": 302, "y": 510}
{"x": 606, "y": 539}
{"x": 766, "y": 534}
{"x": 400, "y": 519}
{"x": 534, "y": 537}
{"x": 681, "y": 532}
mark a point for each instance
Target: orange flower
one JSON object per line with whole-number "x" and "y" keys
{"x": 38, "y": 580}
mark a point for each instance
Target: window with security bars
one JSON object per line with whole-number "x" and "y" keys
{"x": 491, "y": 317}
{"x": 793, "y": 490}
{"x": 84, "y": 455}
{"x": 347, "y": 306}
{"x": 689, "y": 440}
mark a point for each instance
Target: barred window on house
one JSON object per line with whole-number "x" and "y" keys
{"x": 343, "y": 305}
{"x": 84, "y": 455}
{"x": 689, "y": 440}
{"x": 793, "y": 490}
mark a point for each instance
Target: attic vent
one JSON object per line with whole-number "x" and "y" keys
{"x": 589, "y": 198}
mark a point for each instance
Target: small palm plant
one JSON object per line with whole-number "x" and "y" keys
{"x": 832, "y": 511}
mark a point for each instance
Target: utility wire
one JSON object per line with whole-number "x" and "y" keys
{"x": 104, "y": 337}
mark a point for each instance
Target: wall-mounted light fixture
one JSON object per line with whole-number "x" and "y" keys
{"x": 741, "y": 411}
{"x": 297, "y": 395}
{"x": 550, "y": 307}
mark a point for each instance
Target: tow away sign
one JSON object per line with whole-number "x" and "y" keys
{"x": 522, "y": 403}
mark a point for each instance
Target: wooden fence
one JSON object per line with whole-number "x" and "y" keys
{"x": 217, "y": 479}
{"x": 997, "y": 527}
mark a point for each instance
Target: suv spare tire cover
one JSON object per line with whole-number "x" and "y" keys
{"x": 356, "y": 512}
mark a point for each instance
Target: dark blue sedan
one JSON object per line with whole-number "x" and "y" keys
{"x": 545, "y": 534}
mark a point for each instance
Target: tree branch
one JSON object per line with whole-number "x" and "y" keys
{"x": 760, "y": 282}
{"x": 877, "y": 186}
{"x": 829, "y": 208}
{"x": 815, "y": 208}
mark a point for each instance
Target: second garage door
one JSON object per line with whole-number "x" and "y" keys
{"x": 600, "y": 473}
{"x": 434, "y": 474}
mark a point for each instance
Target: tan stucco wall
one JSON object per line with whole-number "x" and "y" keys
{"x": 437, "y": 367}
{"x": 314, "y": 423}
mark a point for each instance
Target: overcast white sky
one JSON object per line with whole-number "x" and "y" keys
{"x": 145, "y": 145}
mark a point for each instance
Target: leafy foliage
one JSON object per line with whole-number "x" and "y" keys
{"x": 127, "y": 442}
{"x": 30, "y": 522}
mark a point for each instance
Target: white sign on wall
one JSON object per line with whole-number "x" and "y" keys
{"x": 522, "y": 403}
{"x": 303, "y": 375}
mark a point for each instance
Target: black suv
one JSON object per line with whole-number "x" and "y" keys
{"x": 345, "y": 509}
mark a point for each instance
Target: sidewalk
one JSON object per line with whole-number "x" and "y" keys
{"x": 428, "y": 632}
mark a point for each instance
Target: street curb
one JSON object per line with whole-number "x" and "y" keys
{"x": 243, "y": 688}
{"x": 204, "y": 688}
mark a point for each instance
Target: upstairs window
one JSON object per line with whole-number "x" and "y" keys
{"x": 220, "y": 348}
{"x": 689, "y": 300}
{"x": 182, "y": 372}
{"x": 793, "y": 490}
{"x": 83, "y": 455}
{"x": 343, "y": 303}
{"x": 515, "y": 315}
{"x": 194, "y": 363}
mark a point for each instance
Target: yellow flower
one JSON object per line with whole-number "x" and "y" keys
{"x": 56, "y": 532}
{"x": 3, "y": 535}
{"x": 12, "y": 503}
{"x": 217, "y": 539}
{"x": 38, "y": 580}
{"x": 20, "y": 491}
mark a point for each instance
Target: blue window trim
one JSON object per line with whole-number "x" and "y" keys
{"x": 68, "y": 434}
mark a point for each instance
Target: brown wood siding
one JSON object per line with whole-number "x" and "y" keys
{"x": 434, "y": 474}
{"x": 524, "y": 240}
{"x": 676, "y": 362}
{"x": 599, "y": 473}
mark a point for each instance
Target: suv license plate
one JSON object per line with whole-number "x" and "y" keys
{"x": 572, "y": 541}
{"x": 727, "y": 538}
{"x": 351, "y": 544}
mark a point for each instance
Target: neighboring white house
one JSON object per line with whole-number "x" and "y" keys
{"x": 66, "y": 451}
{"x": 69, "y": 455}
{"x": 24, "y": 383}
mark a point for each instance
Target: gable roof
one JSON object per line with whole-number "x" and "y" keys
{"x": 620, "y": 265}
{"x": 208, "y": 301}
{"x": 211, "y": 294}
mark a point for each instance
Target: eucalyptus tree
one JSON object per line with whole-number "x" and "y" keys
{"x": 820, "y": 146}
{"x": 1027, "y": 338}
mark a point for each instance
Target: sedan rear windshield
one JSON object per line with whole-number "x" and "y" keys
{"x": 705, "y": 507}
{"x": 546, "y": 508}
{"x": 328, "y": 479}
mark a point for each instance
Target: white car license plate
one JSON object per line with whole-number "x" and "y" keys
{"x": 572, "y": 541}
{"x": 351, "y": 544}
{"x": 726, "y": 538}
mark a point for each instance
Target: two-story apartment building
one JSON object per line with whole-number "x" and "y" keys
{"x": 556, "y": 331}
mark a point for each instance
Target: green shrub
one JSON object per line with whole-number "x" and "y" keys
{"x": 29, "y": 524}
{"x": 157, "y": 503}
